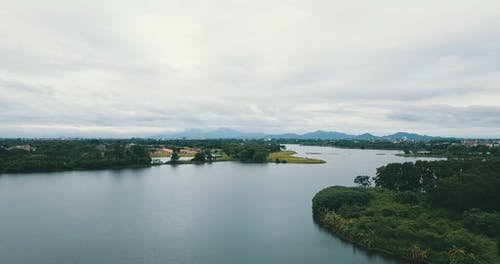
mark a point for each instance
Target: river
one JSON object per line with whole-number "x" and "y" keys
{"x": 225, "y": 212}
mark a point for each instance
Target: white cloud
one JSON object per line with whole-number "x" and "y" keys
{"x": 272, "y": 66}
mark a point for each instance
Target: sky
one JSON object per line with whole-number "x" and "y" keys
{"x": 99, "y": 68}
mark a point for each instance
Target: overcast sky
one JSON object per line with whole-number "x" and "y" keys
{"x": 139, "y": 68}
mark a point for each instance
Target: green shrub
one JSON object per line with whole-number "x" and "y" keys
{"x": 387, "y": 212}
{"x": 481, "y": 222}
{"x": 417, "y": 233}
{"x": 498, "y": 246}
{"x": 199, "y": 157}
{"x": 406, "y": 197}
{"x": 332, "y": 198}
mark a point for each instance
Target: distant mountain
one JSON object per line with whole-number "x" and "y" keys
{"x": 408, "y": 136}
{"x": 226, "y": 133}
{"x": 320, "y": 134}
{"x": 221, "y": 133}
{"x": 367, "y": 136}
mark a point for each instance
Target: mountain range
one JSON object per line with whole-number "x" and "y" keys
{"x": 226, "y": 133}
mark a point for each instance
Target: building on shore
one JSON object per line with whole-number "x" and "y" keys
{"x": 190, "y": 152}
{"x": 162, "y": 152}
{"x": 23, "y": 147}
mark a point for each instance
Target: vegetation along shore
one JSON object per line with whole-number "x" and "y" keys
{"x": 41, "y": 155}
{"x": 423, "y": 212}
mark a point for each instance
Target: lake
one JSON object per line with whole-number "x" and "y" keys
{"x": 224, "y": 212}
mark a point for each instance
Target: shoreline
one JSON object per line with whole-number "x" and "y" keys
{"x": 285, "y": 157}
{"x": 376, "y": 220}
{"x": 373, "y": 250}
{"x": 136, "y": 166}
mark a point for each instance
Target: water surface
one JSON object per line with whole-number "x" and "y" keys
{"x": 224, "y": 212}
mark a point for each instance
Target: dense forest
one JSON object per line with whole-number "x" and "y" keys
{"x": 251, "y": 152}
{"x": 57, "y": 155}
{"x": 426, "y": 212}
{"x": 36, "y": 155}
{"x": 455, "y": 185}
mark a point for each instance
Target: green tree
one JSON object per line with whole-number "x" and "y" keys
{"x": 481, "y": 222}
{"x": 175, "y": 157}
{"x": 199, "y": 157}
{"x": 208, "y": 155}
{"x": 363, "y": 181}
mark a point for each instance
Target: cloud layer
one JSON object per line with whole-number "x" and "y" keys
{"x": 114, "y": 68}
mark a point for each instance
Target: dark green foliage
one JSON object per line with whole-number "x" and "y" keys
{"x": 251, "y": 153}
{"x": 386, "y": 212}
{"x": 57, "y": 155}
{"x": 399, "y": 177}
{"x": 462, "y": 192}
{"x": 453, "y": 184}
{"x": 428, "y": 211}
{"x": 275, "y": 147}
{"x": 414, "y": 232}
{"x": 418, "y": 213}
{"x": 498, "y": 246}
{"x": 332, "y": 198}
{"x": 260, "y": 156}
{"x": 138, "y": 155}
{"x": 199, "y": 157}
{"x": 406, "y": 197}
{"x": 481, "y": 222}
{"x": 175, "y": 157}
{"x": 363, "y": 181}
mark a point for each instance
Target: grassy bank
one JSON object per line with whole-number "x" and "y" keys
{"x": 282, "y": 156}
{"x": 287, "y": 157}
{"x": 402, "y": 225}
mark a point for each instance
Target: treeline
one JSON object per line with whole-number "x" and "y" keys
{"x": 437, "y": 147}
{"x": 252, "y": 152}
{"x": 206, "y": 144}
{"x": 59, "y": 155}
{"x": 36, "y": 155}
{"x": 455, "y": 185}
{"x": 255, "y": 151}
{"x": 426, "y": 212}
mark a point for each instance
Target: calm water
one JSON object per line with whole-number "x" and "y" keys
{"x": 214, "y": 213}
